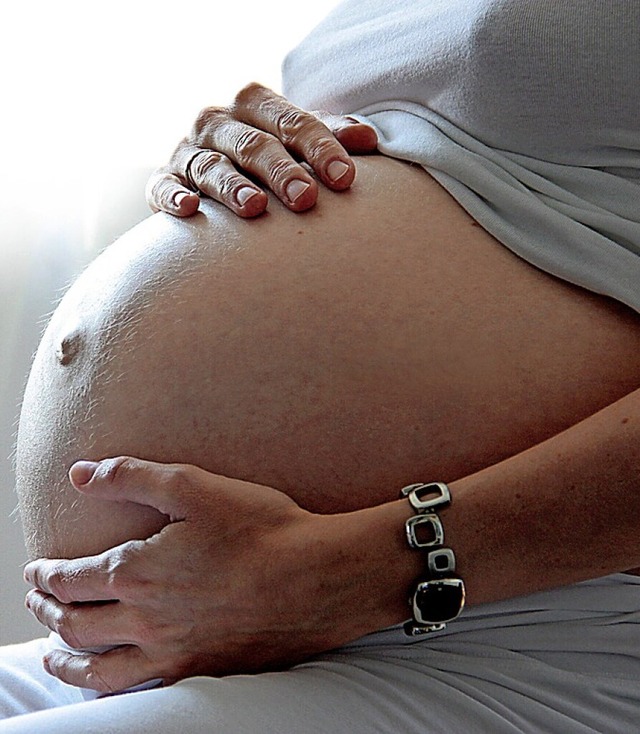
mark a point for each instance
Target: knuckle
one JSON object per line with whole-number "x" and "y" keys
{"x": 321, "y": 148}
{"x": 229, "y": 187}
{"x": 207, "y": 119}
{"x": 158, "y": 190}
{"x": 95, "y": 677}
{"x": 294, "y": 124}
{"x": 157, "y": 630}
{"x": 204, "y": 164}
{"x": 248, "y": 94}
{"x": 57, "y": 583}
{"x": 118, "y": 469}
{"x": 120, "y": 570}
{"x": 181, "y": 476}
{"x": 249, "y": 145}
{"x": 283, "y": 170}
{"x": 64, "y": 624}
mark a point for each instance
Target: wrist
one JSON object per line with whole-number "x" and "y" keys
{"x": 367, "y": 567}
{"x": 439, "y": 594}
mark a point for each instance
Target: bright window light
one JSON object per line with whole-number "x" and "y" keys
{"x": 91, "y": 87}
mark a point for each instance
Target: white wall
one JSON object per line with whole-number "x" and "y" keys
{"x": 95, "y": 94}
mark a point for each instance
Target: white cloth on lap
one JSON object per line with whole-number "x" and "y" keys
{"x": 526, "y": 111}
{"x": 566, "y": 660}
{"x": 24, "y": 684}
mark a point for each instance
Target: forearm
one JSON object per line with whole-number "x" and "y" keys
{"x": 563, "y": 511}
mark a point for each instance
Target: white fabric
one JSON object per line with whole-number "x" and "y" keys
{"x": 526, "y": 111}
{"x": 565, "y": 661}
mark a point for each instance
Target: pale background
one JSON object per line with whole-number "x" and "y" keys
{"x": 94, "y": 96}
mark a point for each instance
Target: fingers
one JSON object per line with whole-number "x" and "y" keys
{"x": 107, "y": 672}
{"x": 261, "y": 137}
{"x": 105, "y": 577}
{"x": 209, "y": 173}
{"x": 76, "y": 580}
{"x": 300, "y": 132}
{"x": 87, "y": 626}
{"x": 119, "y": 572}
{"x": 213, "y": 174}
{"x": 83, "y": 625}
{"x": 239, "y": 146}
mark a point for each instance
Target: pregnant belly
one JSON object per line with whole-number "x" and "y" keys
{"x": 381, "y": 339}
{"x": 388, "y": 338}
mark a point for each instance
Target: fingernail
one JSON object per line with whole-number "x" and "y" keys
{"x": 295, "y": 189}
{"x": 336, "y": 170}
{"x": 46, "y": 664}
{"x": 82, "y": 471}
{"x": 180, "y": 197}
{"x": 244, "y": 194}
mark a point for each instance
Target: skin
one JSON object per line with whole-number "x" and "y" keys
{"x": 335, "y": 357}
{"x": 260, "y": 134}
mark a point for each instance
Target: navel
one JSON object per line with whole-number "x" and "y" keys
{"x": 68, "y": 345}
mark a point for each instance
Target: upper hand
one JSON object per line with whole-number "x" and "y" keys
{"x": 263, "y": 135}
{"x": 229, "y": 585}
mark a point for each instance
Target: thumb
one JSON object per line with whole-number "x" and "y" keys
{"x": 125, "y": 479}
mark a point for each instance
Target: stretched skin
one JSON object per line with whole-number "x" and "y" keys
{"x": 380, "y": 339}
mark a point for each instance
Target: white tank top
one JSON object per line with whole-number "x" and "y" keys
{"x": 527, "y": 111}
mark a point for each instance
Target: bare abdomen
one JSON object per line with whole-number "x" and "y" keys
{"x": 381, "y": 339}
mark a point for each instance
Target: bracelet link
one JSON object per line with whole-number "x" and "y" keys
{"x": 438, "y": 492}
{"x": 416, "y": 522}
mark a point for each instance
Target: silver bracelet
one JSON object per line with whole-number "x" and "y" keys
{"x": 438, "y": 597}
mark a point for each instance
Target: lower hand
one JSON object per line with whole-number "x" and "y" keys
{"x": 230, "y": 584}
{"x": 260, "y": 136}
